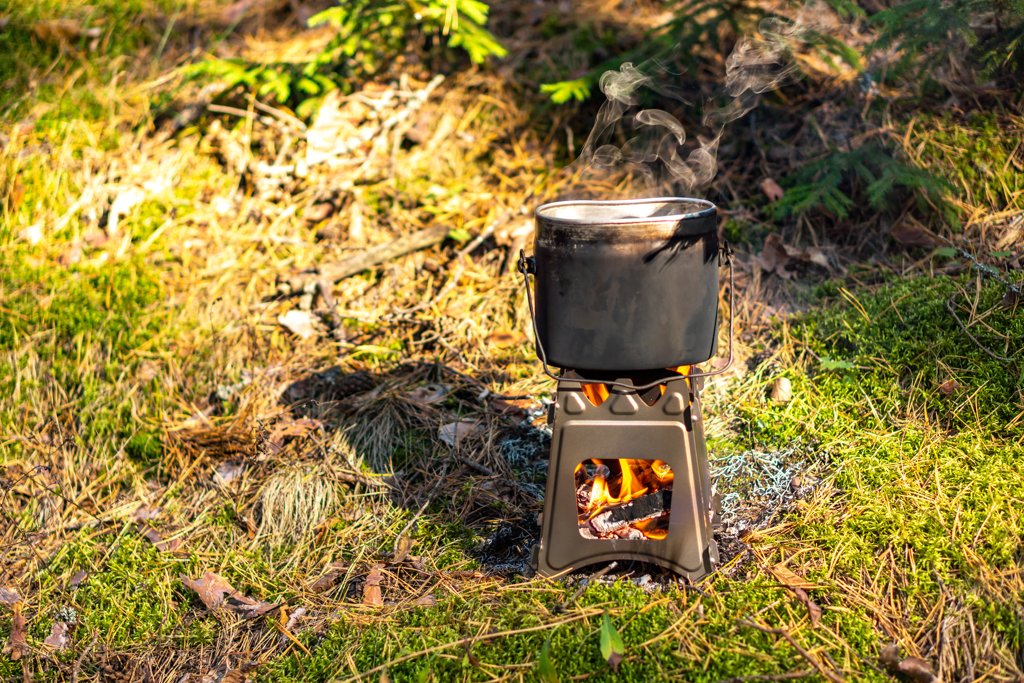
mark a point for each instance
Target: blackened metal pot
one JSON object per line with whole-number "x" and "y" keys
{"x": 628, "y": 284}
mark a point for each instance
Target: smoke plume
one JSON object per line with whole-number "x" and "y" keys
{"x": 652, "y": 145}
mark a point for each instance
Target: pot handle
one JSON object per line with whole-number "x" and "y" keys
{"x": 527, "y": 266}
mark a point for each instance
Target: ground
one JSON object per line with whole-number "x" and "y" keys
{"x": 166, "y": 410}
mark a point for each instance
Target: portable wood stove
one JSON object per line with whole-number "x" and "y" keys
{"x": 623, "y": 287}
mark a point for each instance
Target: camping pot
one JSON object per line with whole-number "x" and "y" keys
{"x": 627, "y": 284}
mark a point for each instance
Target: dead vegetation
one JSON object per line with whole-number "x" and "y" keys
{"x": 234, "y": 447}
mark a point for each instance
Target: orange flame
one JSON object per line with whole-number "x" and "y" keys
{"x": 598, "y": 393}
{"x": 627, "y": 479}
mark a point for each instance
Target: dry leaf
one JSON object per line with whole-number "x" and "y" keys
{"x": 949, "y": 387}
{"x": 63, "y": 31}
{"x": 454, "y": 432}
{"x": 77, "y": 578}
{"x": 371, "y": 589}
{"x": 404, "y": 545}
{"x": 154, "y": 537}
{"x": 328, "y": 580}
{"x": 504, "y": 339}
{"x": 58, "y": 638}
{"x": 911, "y": 233}
{"x": 428, "y": 393}
{"x": 293, "y": 619}
{"x": 71, "y": 255}
{"x": 772, "y": 190}
{"x": 427, "y": 600}
{"x": 298, "y": 427}
{"x": 226, "y": 472}
{"x": 789, "y": 579}
{"x": 8, "y": 596}
{"x": 782, "y": 390}
{"x": 335, "y": 130}
{"x": 214, "y": 592}
{"x": 813, "y": 609}
{"x": 299, "y": 323}
{"x": 144, "y": 513}
{"x": 776, "y": 256}
{"x": 17, "y": 643}
{"x": 914, "y": 668}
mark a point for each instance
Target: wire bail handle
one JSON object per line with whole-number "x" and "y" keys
{"x": 527, "y": 265}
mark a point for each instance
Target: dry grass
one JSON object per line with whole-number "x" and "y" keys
{"x": 152, "y": 387}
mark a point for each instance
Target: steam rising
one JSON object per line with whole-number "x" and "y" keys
{"x": 656, "y": 147}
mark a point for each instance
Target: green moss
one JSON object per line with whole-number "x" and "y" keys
{"x": 132, "y": 593}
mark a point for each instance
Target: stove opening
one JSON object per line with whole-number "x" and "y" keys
{"x": 623, "y": 498}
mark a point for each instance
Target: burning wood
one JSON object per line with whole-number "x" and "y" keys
{"x": 623, "y": 498}
{"x": 638, "y": 510}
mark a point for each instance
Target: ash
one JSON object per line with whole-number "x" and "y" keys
{"x": 757, "y": 487}
{"x": 525, "y": 448}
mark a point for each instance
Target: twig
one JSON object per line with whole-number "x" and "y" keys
{"x": 335, "y": 272}
{"x": 831, "y": 675}
{"x": 583, "y": 585}
{"x": 462, "y": 642}
{"x": 765, "y": 677}
{"x": 952, "y": 311}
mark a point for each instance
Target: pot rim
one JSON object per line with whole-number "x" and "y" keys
{"x": 545, "y": 212}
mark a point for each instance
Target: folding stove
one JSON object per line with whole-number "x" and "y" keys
{"x": 626, "y": 305}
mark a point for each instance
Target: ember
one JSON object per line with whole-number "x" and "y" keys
{"x": 623, "y": 498}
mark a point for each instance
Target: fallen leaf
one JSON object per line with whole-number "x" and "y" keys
{"x": 454, "y": 432}
{"x": 813, "y": 609}
{"x": 144, "y": 513}
{"x": 514, "y": 408}
{"x": 77, "y": 578}
{"x": 17, "y": 642}
{"x": 910, "y": 233}
{"x": 427, "y": 600}
{"x": 335, "y": 131}
{"x": 428, "y": 394}
{"x": 782, "y": 390}
{"x": 154, "y": 537}
{"x": 612, "y": 647}
{"x": 404, "y": 545}
{"x": 299, "y": 323}
{"x": 71, "y": 255}
{"x": 8, "y": 596}
{"x": 58, "y": 638}
{"x": 293, "y": 619}
{"x": 319, "y": 212}
{"x": 291, "y": 429}
{"x": 949, "y": 387}
{"x": 504, "y": 339}
{"x": 226, "y": 472}
{"x": 62, "y": 31}
{"x": 789, "y": 579}
{"x": 914, "y": 668}
{"x": 328, "y": 580}
{"x": 774, "y": 258}
{"x": 215, "y": 592}
{"x": 772, "y": 190}
{"x": 371, "y": 589}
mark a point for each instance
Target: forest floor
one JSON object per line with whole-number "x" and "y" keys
{"x": 358, "y": 469}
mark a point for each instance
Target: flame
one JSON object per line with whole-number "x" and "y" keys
{"x": 651, "y": 529}
{"x": 598, "y": 393}
{"x": 619, "y": 481}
